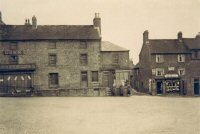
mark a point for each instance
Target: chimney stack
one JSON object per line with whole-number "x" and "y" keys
{"x": 180, "y": 36}
{"x": 0, "y": 16}
{"x": 1, "y": 22}
{"x": 145, "y": 37}
{"x": 97, "y": 21}
{"x": 34, "y": 22}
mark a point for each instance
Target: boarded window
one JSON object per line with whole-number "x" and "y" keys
{"x": 181, "y": 58}
{"x": 52, "y": 59}
{"x": 52, "y": 45}
{"x": 83, "y": 45}
{"x": 53, "y": 79}
{"x": 84, "y": 76}
{"x": 115, "y": 58}
{"x": 95, "y": 76}
{"x": 159, "y": 58}
{"x": 83, "y": 59}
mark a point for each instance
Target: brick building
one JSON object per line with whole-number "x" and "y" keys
{"x": 168, "y": 66}
{"x": 51, "y": 58}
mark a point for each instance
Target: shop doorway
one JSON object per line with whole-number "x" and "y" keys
{"x": 159, "y": 87}
{"x": 196, "y": 86}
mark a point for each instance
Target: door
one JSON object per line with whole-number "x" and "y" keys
{"x": 84, "y": 79}
{"x": 196, "y": 86}
{"x": 96, "y": 92}
{"x": 159, "y": 87}
{"x": 105, "y": 79}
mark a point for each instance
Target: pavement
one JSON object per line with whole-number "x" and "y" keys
{"x": 100, "y": 115}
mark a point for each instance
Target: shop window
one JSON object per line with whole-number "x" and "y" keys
{"x": 84, "y": 76}
{"x": 53, "y": 79}
{"x": 181, "y": 71}
{"x": 83, "y": 45}
{"x": 52, "y": 45}
{"x": 181, "y": 58}
{"x": 95, "y": 76}
{"x": 159, "y": 71}
{"x": 13, "y": 59}
{"x": 83, "y": 59}
{"x": 52, "y": 59}
{"x": 159, "y": 58}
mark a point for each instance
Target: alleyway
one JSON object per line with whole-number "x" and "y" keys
{"x": 100, "y": 115}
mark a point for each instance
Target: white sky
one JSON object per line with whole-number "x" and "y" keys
{"x": 123, "y": 21}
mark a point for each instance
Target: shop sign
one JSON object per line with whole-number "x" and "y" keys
{"x": 171, "y": 76}
{"x": 171, "y": 68}
{"x": 13, "y": 52}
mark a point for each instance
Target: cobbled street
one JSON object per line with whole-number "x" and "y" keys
{"x": 100, "y": 115}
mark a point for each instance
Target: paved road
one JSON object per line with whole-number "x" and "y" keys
{"x": 103, "y": 115}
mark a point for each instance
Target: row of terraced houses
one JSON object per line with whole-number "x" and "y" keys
{"x": 73, "y": 60}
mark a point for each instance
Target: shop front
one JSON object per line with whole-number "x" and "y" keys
{"x": 16, "y": 79}
{"x": 169, "y": 84}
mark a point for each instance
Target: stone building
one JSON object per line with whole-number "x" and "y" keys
{"x": 51, "y": 58}
{"x": 115, "y": 65}
{"x": 168, "y": 66}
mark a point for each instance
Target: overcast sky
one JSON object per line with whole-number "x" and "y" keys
{"x": 123, "y": 21}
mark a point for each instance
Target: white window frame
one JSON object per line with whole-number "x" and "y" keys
{"x": 180, "y": 70}
{"x": 159, "y": 58}
{"x": 181, "y": 58}
{"x": 162, "y": 71}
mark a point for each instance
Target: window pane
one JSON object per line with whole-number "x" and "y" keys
{"x": 83, "y": 58}
{"x": 13, "y": 46}
{"x": 13, "y": 59}
{"x": 115, "y": 58}
{"x": 83, "y": 45}
{"x": 84, "y": 76}
{"x": 53, "y": 78}
{"x": 52, "y": 45}
{"x": 52, "y": 59}
{"x": 95, "y": 76}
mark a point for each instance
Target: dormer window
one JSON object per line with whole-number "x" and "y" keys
{"x": 181, "y": 58}
{"x": 159, "y": 59}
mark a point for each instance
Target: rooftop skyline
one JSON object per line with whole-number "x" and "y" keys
{"x": 122, "y": 22}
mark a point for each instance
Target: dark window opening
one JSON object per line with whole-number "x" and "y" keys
{"x": 84, "y": 76}
{"x": 53, "y": 79}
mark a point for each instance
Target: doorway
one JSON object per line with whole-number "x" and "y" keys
{"x": 196, "y": 86}
{"x": 159, "y": 87}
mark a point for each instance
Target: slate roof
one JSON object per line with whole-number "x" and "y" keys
{"x": 164, "y": 46}
{"x": 27, "y": 32}
{"x": 192, "y": 43}
{"x": 107, "y": 46}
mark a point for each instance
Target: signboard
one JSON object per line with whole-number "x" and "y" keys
{"x": 13, "y": 52}
{"x": 171, "y": 76}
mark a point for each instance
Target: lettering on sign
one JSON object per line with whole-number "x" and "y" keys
{"x": 13, "y": 52}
